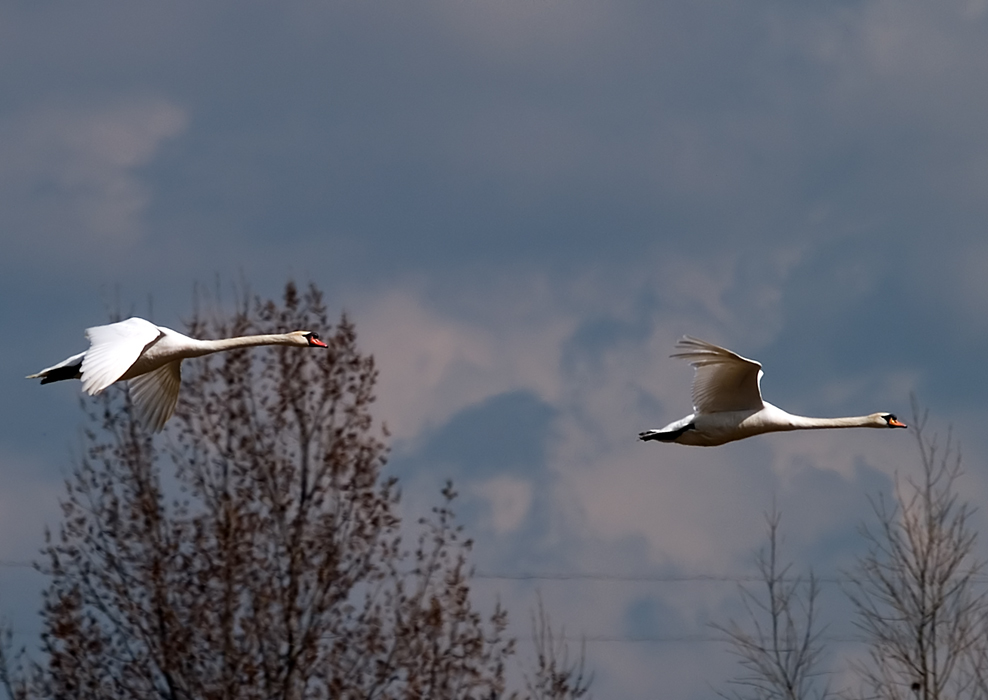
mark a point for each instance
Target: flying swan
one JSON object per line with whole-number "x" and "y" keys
{"x": 150, "y": 358}
{"x": 727, "y": 403}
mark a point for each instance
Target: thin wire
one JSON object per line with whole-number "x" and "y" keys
{"x": 615, "y": 639}
{"x": 591, "y": 576}
{"x": 644, "y": 578}
{"x": 572, "y": 576}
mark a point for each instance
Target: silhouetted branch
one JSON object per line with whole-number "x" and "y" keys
{"x": 779, "y": 648}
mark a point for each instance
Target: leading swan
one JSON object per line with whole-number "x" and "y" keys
{"x": 728, "y": 405}
{"x": 150, "y": 358}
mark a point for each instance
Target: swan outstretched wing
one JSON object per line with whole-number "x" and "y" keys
{"x": 724, "y": 381}
{"x": 113, "y": 349}
{"x": 155, "y": 394}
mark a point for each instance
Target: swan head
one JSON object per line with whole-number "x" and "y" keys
{"x": 307, "y": 338}
{"x": 890, "y": 421}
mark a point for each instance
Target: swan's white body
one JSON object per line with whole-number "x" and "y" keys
{"x": 150, "y": 357}
{"x": 728, "y": 405}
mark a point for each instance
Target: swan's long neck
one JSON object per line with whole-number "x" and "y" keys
{"x": 772, "y": 418}
{"x": 205, "y": 347}
{"x": 806, "y": 423}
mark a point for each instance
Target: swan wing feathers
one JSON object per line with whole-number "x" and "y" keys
{"x": 724, "y": 381}
{"x": 155, "y": 394}
{"x": 113, "y": 349}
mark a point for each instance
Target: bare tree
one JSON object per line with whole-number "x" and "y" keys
{"x": 915, "y": 591}
{"x": 555, "y": 677}
{"x": 779, "y": 648}
{"x": 259, "y": 553}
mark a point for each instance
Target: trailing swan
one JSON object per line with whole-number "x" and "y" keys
{"x": 728, "y": 405}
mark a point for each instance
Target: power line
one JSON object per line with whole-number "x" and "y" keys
{"x": 697, "y": 638}
{"x": 677, "y": 639}
{"x": 662, "y": 578}
{"x": 591, "y": 576}
{"x": 643, "y": 578}
{"x": 574, "y": 576}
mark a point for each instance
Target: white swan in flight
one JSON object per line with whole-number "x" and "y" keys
{"x": 150, "y": 358}
{"x": 728, "y": 405}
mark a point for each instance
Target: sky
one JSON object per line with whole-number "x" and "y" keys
{"x": 523, "y": 204}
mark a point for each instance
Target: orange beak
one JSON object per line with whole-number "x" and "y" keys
{"x": 896, "y": 423}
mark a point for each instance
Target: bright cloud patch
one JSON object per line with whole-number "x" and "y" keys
{"x": 76, "y": 168}
{"x": 509, "y": 499}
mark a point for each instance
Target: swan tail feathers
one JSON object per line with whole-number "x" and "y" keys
{"x": 654, "y": 435}
{"x": 66, "y": 369}
{"x": 61, "y": 374}
{"x": 665, "y": 434}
